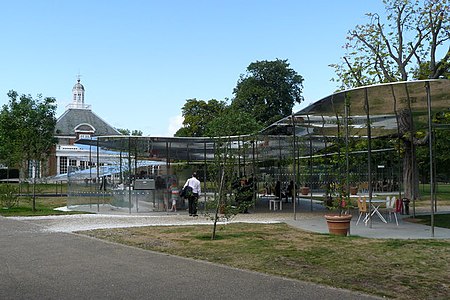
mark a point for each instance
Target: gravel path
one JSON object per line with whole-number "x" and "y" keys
{"x": 72, "y": 223}
{"x": 306, "y": 220}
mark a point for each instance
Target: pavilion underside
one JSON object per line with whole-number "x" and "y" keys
{"x": 354, "y": 137}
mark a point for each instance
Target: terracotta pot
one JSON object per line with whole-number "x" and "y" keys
{"x": 338, "y": 225}
{"x": 353, "y": 190}
{"x": 304, "y": 190}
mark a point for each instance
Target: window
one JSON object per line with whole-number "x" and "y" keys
{"x": 62, "y": 165}
{"x": 34, "y": 169}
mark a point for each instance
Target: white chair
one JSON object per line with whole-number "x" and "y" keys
{"x": 393, "y": 206}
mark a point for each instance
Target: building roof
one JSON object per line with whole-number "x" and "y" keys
{"x": 73, "y": 119}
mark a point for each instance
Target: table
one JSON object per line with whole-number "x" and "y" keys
{"x": 273, "y": 203}
{"x": 376, "y": 203}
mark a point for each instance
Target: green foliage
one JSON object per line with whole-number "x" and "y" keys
{"x": 128, "y": 132}
{"x": 423, "y": 71}
{"x": 268, "y": 91}
{"x": 136, "y": 132}
{"x": 232, "y": 122}
{"x": 123, "y": 131}
{"x": 197, "y": 114}
{"x": 8, "y": 196}
{"x": 183, "y": 131}
{"x": 231, "y": 197}
{"x": 27, "y": 128}
{"x": 441, "y": 141}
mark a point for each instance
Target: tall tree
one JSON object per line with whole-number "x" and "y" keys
{"x": 197, "y": 114}
{"x": 27, "y": 128}
{"x": 268, "y": 91}
{"x": 388, "y": 50}
{"x": 394, "y": 49}
{"x": 232, "y": 122}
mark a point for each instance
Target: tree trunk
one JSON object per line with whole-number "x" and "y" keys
{"x": 410, "y": 169}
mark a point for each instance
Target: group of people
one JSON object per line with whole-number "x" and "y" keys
{"x": 243, "y": 189}
{"x": 287, "y": 193}
{"x": 192, "y": 197}
{"x": 244, "y": 194}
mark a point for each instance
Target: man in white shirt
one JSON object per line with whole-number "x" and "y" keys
{"x": 194, "y": 183}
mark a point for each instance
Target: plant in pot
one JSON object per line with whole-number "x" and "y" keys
{"x": 304, "y": 189}
{"x": 339, "y": 223}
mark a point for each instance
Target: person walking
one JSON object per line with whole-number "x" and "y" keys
{"x": 175, "y": 193}
{"x": 194, "y": 183}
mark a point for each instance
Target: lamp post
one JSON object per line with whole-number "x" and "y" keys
{"x": 33, "y": 176}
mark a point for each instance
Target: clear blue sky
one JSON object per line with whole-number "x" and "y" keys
{"x": 140, "y": 60}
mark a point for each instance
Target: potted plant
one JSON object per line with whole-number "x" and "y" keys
{"x": 304, "y": 189}
{"x": 338, "y": 224}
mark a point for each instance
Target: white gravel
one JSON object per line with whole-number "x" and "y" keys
{"x": 73, "y": 223}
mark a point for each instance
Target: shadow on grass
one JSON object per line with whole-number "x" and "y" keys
{"x": 440, "y": 220}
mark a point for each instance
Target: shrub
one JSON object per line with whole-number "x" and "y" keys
{"x": 8, "y": 196}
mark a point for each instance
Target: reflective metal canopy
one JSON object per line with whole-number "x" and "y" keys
{"x": 390, "y": 109}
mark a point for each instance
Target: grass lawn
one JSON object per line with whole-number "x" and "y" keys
{"x": 442, "y": 194}
{"x": 440, "y": 220}
{"x": 44, "y": 188}
{"x": 404, "y": 269}
{"x": 44, "y": 206}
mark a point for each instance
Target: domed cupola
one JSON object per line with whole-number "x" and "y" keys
{"x": 78, "y": 94}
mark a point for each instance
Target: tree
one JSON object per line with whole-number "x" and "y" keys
{"x": 27, "y": 128}
{"x": 390, "y": 50}
{"x": 422, "y": 72}
{"x": 231, "y": 122}
{"x": 268, "y": 91}
{"x": 393, "y": 50}
{"x": 128, "y": 132}
{"x": 197, "y": 114}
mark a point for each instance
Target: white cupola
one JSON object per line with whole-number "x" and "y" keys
{"x": 78, "y": 96}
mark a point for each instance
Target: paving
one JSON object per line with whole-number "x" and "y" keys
{"x": 43, "y": 258}
{"x": 309, "y": 215}
{"x": 305, "y": 220}
{"x": 40, "y": 260}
